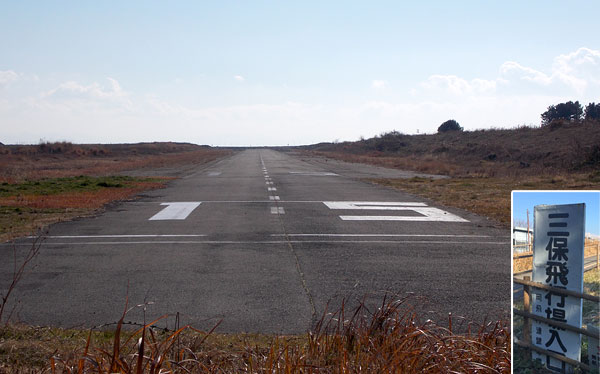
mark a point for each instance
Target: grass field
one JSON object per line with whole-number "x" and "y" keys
{"x": 26, "y": 207}
{"x": 51, "y": 182}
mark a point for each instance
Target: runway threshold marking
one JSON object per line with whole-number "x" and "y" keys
{"x": 314, "y": 173}
{"x": 175, "y": 211}
{"x": 426, "y": 214}
{"x": 277, "y": 210}
{"x": 214, "y": 173}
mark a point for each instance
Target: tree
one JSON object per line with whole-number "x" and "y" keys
{"x": 592, "y": 111}
{"x": 570, "y": 111}
{"x": 450, "y": 125}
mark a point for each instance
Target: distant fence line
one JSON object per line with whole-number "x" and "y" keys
{"x": 523, "y": 260}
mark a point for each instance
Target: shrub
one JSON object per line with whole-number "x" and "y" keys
{"x": 450, "y": 125}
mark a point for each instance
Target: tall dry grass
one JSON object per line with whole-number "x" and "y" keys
{"x": 390, "y": 339}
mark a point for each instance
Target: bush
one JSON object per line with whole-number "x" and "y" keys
{"x": 570, "y": 111}
{"x": 450, "y": 125}
{"x": 592, "y": 111}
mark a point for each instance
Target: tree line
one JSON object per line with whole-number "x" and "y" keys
{"x": 571, "y": 111}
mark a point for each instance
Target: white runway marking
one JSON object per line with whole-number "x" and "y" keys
{"x": 175, "y": 211}
{"x": 371, "y": 205}
{"x": 386, "y": 235}
{"x": 262, "y": 242}
{"x": 314, "y": 173}
{"x": 426, "y": 214}
{"x": 120, "y": 236}
{"x": 274, "y": 198}
{"x": 437, "y": 217}
{"x": 214, "y": 173}
{"x": 277, "y": 210}
{"x": 268, "y": 182}
{"x": 271, "y": 189}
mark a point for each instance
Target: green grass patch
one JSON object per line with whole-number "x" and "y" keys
{"x": 52, "y": 186}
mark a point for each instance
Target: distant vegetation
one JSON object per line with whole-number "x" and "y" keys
{"x": 485, "y": 165}
{"x": 65, "y": 159}
{"x": 563, "y": 146}
{"x": 570, "y": 111}
{"x": 450, "y": 125}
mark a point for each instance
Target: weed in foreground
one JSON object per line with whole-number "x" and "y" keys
{"x": 390, "y": 339}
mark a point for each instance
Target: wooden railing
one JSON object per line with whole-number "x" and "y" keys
{"x": 528, "y": 317}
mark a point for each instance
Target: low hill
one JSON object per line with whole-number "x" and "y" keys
{"x": 557, "y": 148}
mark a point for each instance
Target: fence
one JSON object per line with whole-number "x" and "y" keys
{"x": 528, "y": 316}
{"x": 523, "y": 260}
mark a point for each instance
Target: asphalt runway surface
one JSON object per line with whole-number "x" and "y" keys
{"x": 265, "y": 241}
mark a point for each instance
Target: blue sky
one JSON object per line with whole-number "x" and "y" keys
{"x": 274, "y": 73}
{"x": 523, "y": 200}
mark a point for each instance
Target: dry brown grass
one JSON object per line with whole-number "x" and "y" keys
{"x": 83, "y": 199}
{"x": 389, "y": 339}
{"x": 524, "y": 151}
{"x": 488, "y": 196}
{"x": 19, "y": 163}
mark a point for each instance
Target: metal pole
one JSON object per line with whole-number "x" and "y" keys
{"x": 526, "y": 308}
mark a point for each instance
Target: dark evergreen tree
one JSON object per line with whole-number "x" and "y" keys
{"x": 450, "y": 125}
{"x": 592, "y": 111}
{"x": 570, "y": 111}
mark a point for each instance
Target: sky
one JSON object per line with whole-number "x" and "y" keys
{"x": 526, "y": 200}
{"x": 278, "y": 73}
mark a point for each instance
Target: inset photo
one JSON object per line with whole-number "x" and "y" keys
{"x": 556, "y": 281}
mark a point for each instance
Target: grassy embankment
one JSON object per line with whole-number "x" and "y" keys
{"x": 50, "y": 182}
{"x": 484, "y": 166}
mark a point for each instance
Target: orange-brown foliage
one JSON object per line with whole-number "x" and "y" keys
{"x": 77, "y": 200}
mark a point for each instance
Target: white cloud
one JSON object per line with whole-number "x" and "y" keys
{"x": 95, "y": 90}
{"x": 458, "y": 86}
{"x": 510, "y": 71}
{"x": 379, "y": 84}
{"x": 578, "y": 71}
{"x": 108, "y": 112}
{"x": 575, "y": 74}
{"x": 7, "y": 76}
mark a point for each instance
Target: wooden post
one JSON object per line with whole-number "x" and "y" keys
{"x": 526, "y": 308}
